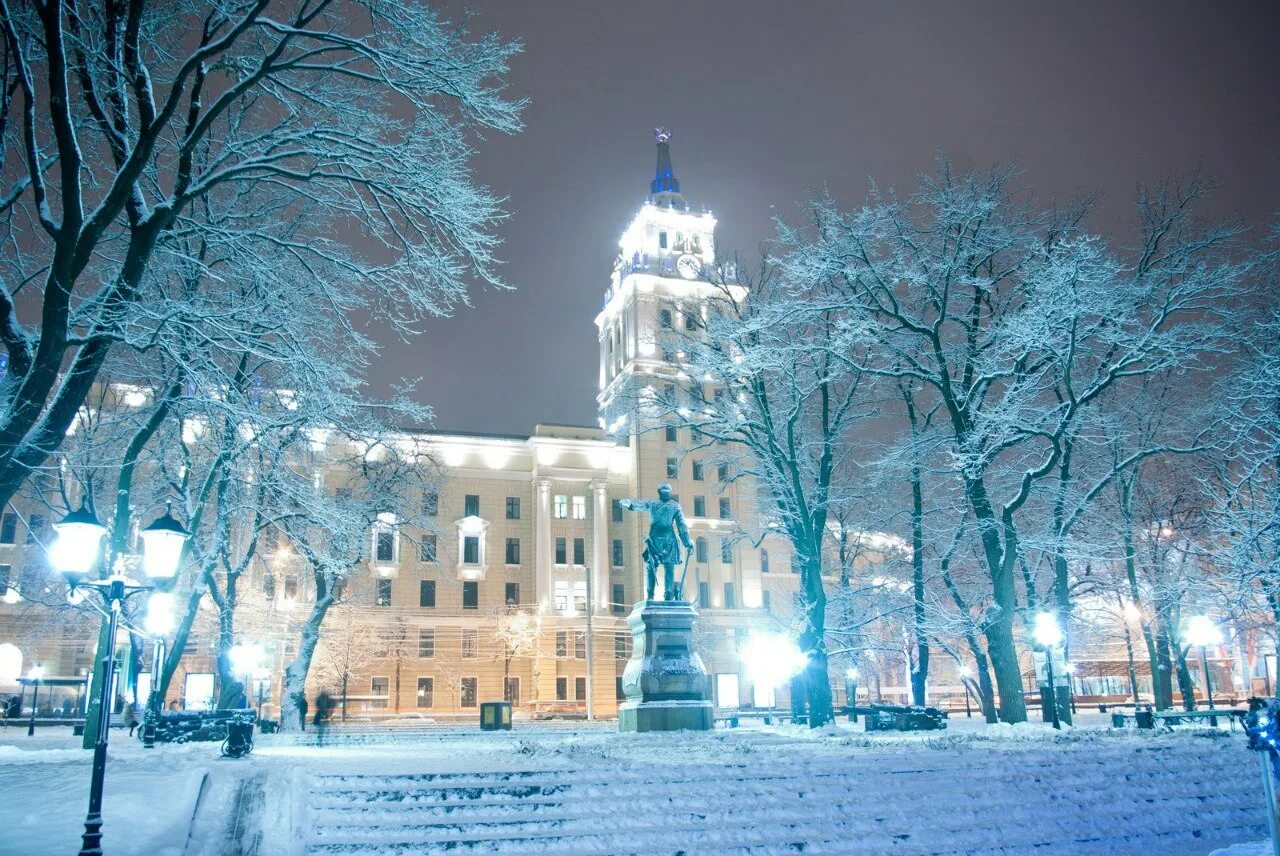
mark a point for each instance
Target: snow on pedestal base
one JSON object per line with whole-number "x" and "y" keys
{"x": 666, "y": 682}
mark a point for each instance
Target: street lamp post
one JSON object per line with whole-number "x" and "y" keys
{"x": 34, "y": 674}
{"x": 75, "y": 552}
{"x": 1048, "y": 635}
{"x": 1202, "y": 632}
{"x": 851, "y": 692}
{"x": 159, "y": 623}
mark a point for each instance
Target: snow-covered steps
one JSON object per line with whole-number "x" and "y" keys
{"x": 1106, "y": 797}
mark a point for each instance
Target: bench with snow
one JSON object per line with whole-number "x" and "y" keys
{"x": 894, "y": 717}
{"x": 1144, "y": 717}
{"x": 732, "y": 716}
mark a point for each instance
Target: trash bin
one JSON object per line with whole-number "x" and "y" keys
{"x": 239, "y": 740}
{"x": 1144, "y": 717}
{"x": 495, "y": 716}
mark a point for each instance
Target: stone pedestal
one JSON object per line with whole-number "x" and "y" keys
{"x": 665, "y": 681}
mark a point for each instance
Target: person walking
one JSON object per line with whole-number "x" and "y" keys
{"x": 324, "y": 709}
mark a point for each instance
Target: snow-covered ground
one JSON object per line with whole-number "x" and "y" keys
{"x": 974, "y": 789}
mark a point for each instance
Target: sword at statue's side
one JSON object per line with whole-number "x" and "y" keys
{"x": 688, "y": 554}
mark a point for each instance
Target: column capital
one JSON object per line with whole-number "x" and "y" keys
{"x": 600, "y": 485}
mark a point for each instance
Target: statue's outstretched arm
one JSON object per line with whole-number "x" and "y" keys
{"x": 634, "y": 504}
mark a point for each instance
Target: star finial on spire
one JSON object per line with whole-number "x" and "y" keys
{"x": 662, "y": 135}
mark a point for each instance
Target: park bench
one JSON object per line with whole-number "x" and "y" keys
{"x": 1144, "y": 717}
{"x": 732, "y": 717}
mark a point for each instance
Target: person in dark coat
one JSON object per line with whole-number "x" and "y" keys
{"x": 324, "y": 709}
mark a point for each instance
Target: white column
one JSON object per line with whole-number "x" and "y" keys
{"x": 542, "y": 570}
{"x": 600, "y": 545}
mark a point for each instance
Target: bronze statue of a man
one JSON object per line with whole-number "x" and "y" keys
{"x": 666, "y": 521}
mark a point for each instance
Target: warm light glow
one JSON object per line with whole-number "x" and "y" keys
{"x": 247, "y": 658}
{"x": 851, "y": 673}
{"x": 772, "y": 659}
{"x": 76, "y": 548}
{"x": 1131, "y": 611}
{"x": 1069, "y": 668}
{"x": 159, "y": 620}
{"x": 11, "y": 596}
{"x": 1047, "y": 631}
{"x": 35, "y": 673}
{"x": 10, "y": 663}
{"x": 1202, "y": 632}
{"x": 965, "y": 671}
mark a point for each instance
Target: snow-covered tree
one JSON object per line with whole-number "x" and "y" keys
{"x": 1017, "y": 322}
{"x": 332, "y": 134}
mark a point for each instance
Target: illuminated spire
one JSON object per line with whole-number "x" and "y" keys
{"x": 664, "y": 180}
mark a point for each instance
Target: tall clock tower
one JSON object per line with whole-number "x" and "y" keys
{"x": 662, "y": 280}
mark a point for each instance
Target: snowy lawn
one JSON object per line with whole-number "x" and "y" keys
{"x": 972, "y": 789}
{"x": 44, "y": 794}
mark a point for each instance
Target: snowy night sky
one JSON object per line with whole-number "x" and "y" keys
{"x": 776, "y": 100}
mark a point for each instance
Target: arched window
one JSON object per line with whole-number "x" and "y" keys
{"x": 700, "y": 549}
{"x": 764, "y": 561}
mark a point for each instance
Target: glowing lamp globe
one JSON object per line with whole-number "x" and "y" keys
{"x": 1047, "y": 632}
{"x": 851, "y": 673}
{"x": 159, "y": 620}
{"x": 162, "y": 543}
{"x": 1202, "y": 632}
{"x": 76, "y": 548}
{"x": 35, "y": 673}
{"x": 772, "y": 659}
{"x": 246, "y": 658}
{"x": 10, "y": 663}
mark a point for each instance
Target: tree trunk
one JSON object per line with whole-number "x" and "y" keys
{"x": 920, "y": 673}
{"x": 813, "y": 642}
{"x": 1186, "y": 688}
{"x": 294, "y": 704}
{"x": 1164, "y": 665}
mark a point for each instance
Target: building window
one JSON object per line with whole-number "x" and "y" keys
{"x": 427, "y": 593}
{"x": 513, "y": 594}
{"x": 562, "y": 643}
{"x": 621, "y": 646}
{"x": 513, "y": 508}
{"x": 580, "y": 596}
{"x": 561, "y": 510}
{"x": 730, "y": 602}
{"x": 383, "y": 596}
{"x": 426, "y": 692}
{"x": 617, "y": 511}
{"x": 704, "y": 594}
{"x": 268, "y": 585}
{"x": 511, "y": 691}
{"x": 430, "y": 505}
{"x": 579, "y": 551}
{"x": 470, "y": 595}
{"x": 764, "y": 561}
{"x": 379, "y": 687}
{"x": 617, "y": 552}
{"x": 9, "y": 529}
{"x": 673, "y": 468}
{"x": 468, "y": 693}
{"x": 470, "y": 644}
{"x": 691, "y": 319}
{"x": 765, "y": 601}
{"x": 673, "y": 434}
{"x": 513, "y": 551}
{"x": 699, "y": 506}
{"x": 697, "y": 471}
{"x": 579, "y": 645}
{"x": 726, "y": 551}
{"x": 427, "y": 549}
{"x": 580, "y": 689}
{"x": 427, "y": 642}
{"x": 384, "y": 545}
{"x": 562, "y": 689}
{"x": 662, "y": 245}
{"x": 579, "y": 508}
{"x": 562, "y": 596}
{"x": 619, "y": 602}
{"x": 471, "y": 549}
{"x": 722, "y": 472}
{"x": 291, "y": 588}
{"x": 700, "y": 549}
{"x": 724, "y": 508}
{"x": 35, "y": 526}
{"x": 562, "y": 557}
{"x": 471, "y": 505}
{"x": 6, "y": 574}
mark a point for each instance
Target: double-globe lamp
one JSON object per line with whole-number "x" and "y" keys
{"x": 1204, "y": 634}
{"x": 74, "y": 553}
{"x": 1048, "y": 635}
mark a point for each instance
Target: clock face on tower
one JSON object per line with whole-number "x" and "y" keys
{"x": 689, "y": 267}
